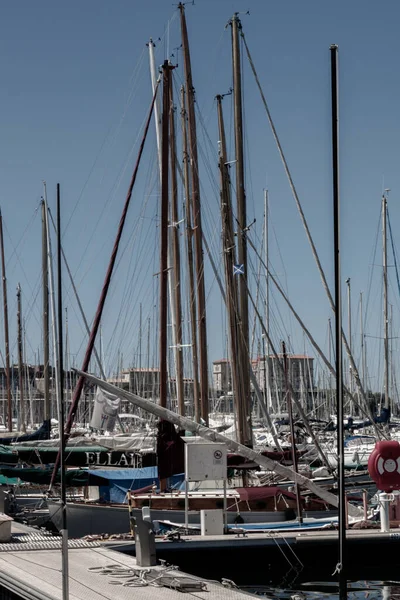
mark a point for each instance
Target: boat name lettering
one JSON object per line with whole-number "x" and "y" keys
{"x": 396, "y": 536}
{"x": 113, "y": 459}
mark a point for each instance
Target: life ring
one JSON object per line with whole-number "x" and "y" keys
{"x": 384, "y": 465}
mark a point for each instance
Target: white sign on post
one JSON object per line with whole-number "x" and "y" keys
{"x": 204, "y": 461}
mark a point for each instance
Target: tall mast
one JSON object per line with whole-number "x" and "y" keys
{"x": 173, "y": 275}
{"x": 67, "y": 365}
{"x": 198, "y": 234}
{"x": 231, "y": 287}
{"x": 348, "y": 282}
{"x": 385, "y": 302}
{"x": 267, "y": 388}
{"x": 28, "y": 396}
{"x": 51, "y": 292}
{"x": 20, "y": 362}
{"x": 176, "y": 258}
{"x": 241, "y": 218}
{"x": 362, "y": 343}
{"x": 189, "y": 252}
{"x": 6, "y": 329}
{"x": 148, "y": 378}
{"x": 139, "y": 378}
{"x": 289, "y": 404}
{"x": 342, "y": 559}
{"x": 45, "y": 279}
{"x": 164, "y": 233}
{"x": 64, "y": 530}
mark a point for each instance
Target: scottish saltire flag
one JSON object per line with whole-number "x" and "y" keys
{"x": 238, "y": 269}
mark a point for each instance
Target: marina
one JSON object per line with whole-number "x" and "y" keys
{"x": 193, "y": 399}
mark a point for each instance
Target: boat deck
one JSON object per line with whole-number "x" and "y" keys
{"x": 31, "y": 569}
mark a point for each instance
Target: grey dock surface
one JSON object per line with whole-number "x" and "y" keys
{"x": 30, "y": 568}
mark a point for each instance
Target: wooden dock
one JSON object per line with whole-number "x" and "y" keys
{"x": 30, "y": 568}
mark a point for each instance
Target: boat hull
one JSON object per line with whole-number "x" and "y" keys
{"x": 95, "y": 519}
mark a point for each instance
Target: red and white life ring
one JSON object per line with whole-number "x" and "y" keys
{"x": 384, "y": 465}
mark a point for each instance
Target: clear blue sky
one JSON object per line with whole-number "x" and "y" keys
{"x": 74, "y": 93}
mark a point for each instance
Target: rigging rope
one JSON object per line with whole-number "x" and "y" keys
{"x": 308, "y": 233}
{"x": 394, "y": 252}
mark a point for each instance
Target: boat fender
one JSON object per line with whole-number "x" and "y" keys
{"x": 384, "y": 465}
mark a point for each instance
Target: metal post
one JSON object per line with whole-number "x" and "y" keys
{"x": 365, "y": 504}
{"x": 186, "y": 503}
{"x": 225, "y": 508}
{"x": 384, "y": 500}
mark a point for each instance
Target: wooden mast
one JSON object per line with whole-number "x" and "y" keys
{"x": 229, "y": 261}
{"x": 241, "y": 235}
{"x": 176, "y": 258}
{"x": 20, "y": 366}
{"x": 172, "y": 273}
{"x": 6, "y": 329}
{"x": 45, "y": 279}
{"x": 164, "y": 234}
{"x": 198, "y": 235}
{"x": 189, "y": 252}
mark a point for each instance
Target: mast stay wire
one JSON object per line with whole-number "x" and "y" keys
{"x": 111, "y": 197}
{"x": 202, "y": 153}
{"x": 394, "y": 252}
{"x": 307, "y": 230}
{"x": 363, "y": 409}
{"x": 18, "y": 260}
{"x": 371, "y": 271}
{"x": 109, "y": 134}
{"x": 131, "y": 293}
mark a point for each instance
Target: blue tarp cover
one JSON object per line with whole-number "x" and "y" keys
{"x": 119, "y": 481}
